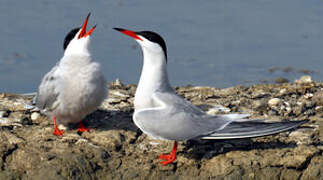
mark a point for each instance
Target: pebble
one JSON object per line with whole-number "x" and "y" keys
{"x": 82, "y": 141}
{"x": 62, "y": 127}
{"x": 117, "y": 82}
{"x": 218, "y": 109}
{"x": 319, "y": 108}
{"x": 34, "y": 116}
{"x": 308, "y": 95}
{"x": 281, "y": 80}
{"x": 3, "y": 121}
{"x": 3, "y": 114}
{"x": 318, "y": 98}
{"x": 274, "y": 102}
{"x": 304, "y": 79}
{"x": 283, "y": 91}
{"x": 259, "y": 104}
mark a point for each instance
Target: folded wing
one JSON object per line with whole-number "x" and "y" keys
{"x": 246, "y": 129}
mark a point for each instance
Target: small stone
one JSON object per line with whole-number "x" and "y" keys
{"x": 309, "y": 104}
{"x": 81, "y": 141}
{"x": 274, "y": 102}
{"x": 218, "y": 109}
{"x": 259, "y": 94}
{"x": 318, "y": 98}
{"x": 281, "y": 80}
{"x": 4, "y": 114}
{"x": 34, "y": 116}
{"x": 259, "y": 104}
{"x": 301, "y": 136}
{"x": 283, "y": 92}
{"x": 116, "y": 83}
{"x": 304, "y": 79}
{"x": 119, "y": 93}
{"x": 308, "y": 95}
{"x": 298, "y": 110}
{"x": 26, "y": 121}
{"x": 309, "y": 112}
{"x": 62, "y": 127}
{"x": 319, "y": 108}
{"x": 3, "y": 121}
{"x": 273, "y": 113}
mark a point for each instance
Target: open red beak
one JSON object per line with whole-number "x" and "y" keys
{"x": 83, "y": 32}
{"x": 128, "y": 33}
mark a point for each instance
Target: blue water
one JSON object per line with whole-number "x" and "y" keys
{"x": 216, "y": 43}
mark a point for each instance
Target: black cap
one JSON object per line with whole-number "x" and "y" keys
{"x": 154, "y": 37}
{"x": 70, "y": 36}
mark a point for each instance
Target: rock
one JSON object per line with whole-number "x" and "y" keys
{"x": 4, "y": 114}
{"x": 298, "y": 110}
{"x": 319, "y": 109}
{"x": 290, "y": 174}
{"x": 259, "y": 94}
{"x": 301, "y": 136}
{"x": 115, "y": 148}
{"x": 219, "y": 166}
{"x": 34, "y": 116}
{"x": 116, "y": 83}
{"x": 304, "y": 79}
{"x": 308, "y": 95}
{"x": 317, "y": 98}
{"x": 283, "y": 92}
{"x": 281, "y": 80}
{"x": 274, "y": 102}
{"x": 314, "y": 169}
{"x": 259, "y": 105}
{"x": 218, "y": 109}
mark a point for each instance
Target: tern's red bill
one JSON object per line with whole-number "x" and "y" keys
{"x": 83, "y": 32}
{"x": 128, "y": 33}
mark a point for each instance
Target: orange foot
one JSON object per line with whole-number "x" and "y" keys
{"x": 169, "y": 158}
{"x": 57, "y": 132}
{"x": 82, "y": 128}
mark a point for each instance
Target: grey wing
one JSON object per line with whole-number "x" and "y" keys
{"x": 178, "y": 102}
{"x": 176, "y": 119}
{"x": 247, "y": 129}
{"x": 47, "y": 92}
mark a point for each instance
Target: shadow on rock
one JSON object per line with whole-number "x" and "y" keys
{"x": 210, "y": 148}
{"x": 110, "y": 120}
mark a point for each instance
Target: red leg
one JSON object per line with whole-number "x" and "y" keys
{"x": 82, "y": 128}
{"x": 169, "y": 158}
{"x": 57, "y": 132}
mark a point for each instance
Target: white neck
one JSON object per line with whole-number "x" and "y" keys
{"x": 84, "y": 52}
{"x": 153, "y": 77}
{"x": 78, "y": 47}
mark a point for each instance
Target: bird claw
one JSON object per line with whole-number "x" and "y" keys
{"x": 58, "y": 132}
{"x": 169, "y": 158}
{"x": 82, "y": 128}
{"x": 164, "y": 157}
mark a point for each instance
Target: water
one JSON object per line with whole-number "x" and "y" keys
{"x": 215, "y": 43}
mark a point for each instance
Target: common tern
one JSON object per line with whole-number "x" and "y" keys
{"x": 75, "y": 86}
{"x": 162, "y": 114}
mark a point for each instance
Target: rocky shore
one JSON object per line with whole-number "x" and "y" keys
{"x": 116, "y": 149}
